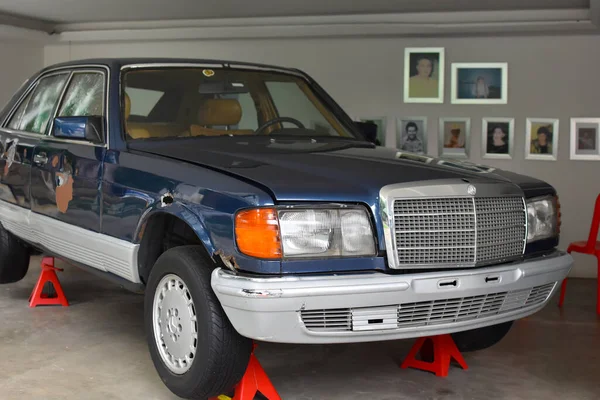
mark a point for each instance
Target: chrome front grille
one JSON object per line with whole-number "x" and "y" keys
{"x": 328, "y": 320}
{"x": 424, "y": 313}
{"x": 458, "y": 230}
{"x": 501, "y": 223}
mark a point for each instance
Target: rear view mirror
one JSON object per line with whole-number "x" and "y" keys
{"x": 222, "y": 88}
{"x": 79, "y": 128}
{"x": 369, "y": 131}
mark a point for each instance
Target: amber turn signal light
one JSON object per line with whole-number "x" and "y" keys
{"x": 257, "y": 233}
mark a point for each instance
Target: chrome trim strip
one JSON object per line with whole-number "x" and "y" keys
{"x": 44, "y": 138}
{"x": 526, "y": 224}
{"x": 210, "y": 65}
{"x": 175, "y": 65}
{"x": 38, "y": 136}
{"x": 476, "y": 230}
{"x": 440, "y": 188}
{"x": 72, "y": 141}
{"x": 93, "y": 249}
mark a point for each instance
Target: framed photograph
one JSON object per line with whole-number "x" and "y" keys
{"x": 424, "y": 75}
{"x": 585, "y": 139}
{"x": 381, "y": 123}
{"x": 479, "y": 83}
{"x": 411, "y": 134}
{"x": 454, "y": 137}
{"x": 541, "y": 142}
{"x": 497, "y": 137}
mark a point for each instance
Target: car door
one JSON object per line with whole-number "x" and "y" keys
{"x": 23, "y": 131}
{"x": 66, "y": 174}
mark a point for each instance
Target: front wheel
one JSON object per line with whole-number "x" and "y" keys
{"x": 481, "y": 338}
{"x": 194, "y": 348}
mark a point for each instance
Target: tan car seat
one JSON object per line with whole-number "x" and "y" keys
{"x": 219, "y": 112}
{"x": 133, "y": 132}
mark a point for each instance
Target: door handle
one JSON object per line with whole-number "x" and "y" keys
{"x": 40, "y": 158}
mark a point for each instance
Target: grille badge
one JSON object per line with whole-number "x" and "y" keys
{"x": 471, "y": 190}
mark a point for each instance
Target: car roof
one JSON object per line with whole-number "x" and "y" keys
{"x": 117, "y": 63}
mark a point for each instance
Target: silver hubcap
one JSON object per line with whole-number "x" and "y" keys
{"x": 175, "y": 324}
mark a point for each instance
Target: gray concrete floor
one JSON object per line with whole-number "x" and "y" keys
{"x": 95, "y": 349}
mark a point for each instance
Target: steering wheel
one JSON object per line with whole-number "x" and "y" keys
{"x": 294, "y": 121}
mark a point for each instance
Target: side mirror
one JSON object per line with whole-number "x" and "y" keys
{"x": 79, "y": 128}
{"x": 369, "y": 131}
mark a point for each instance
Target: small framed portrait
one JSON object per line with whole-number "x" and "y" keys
{"x": 454, "y": 135}
{"x": 479, "y": 83}
{"x": 411, "y": 134}
{"x": 381, "y": 123}
{"x": 585, "y": 139}
{"x": 424, "y": 75}
{"x": 541, "y": 142}
{"x": 497, "y": 137}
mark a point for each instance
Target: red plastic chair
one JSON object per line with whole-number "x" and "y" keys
{"x": 591, "y": 247}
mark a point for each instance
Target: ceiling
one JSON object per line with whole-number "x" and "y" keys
{"x": 80, "y": 11}
{"x": 108, "y": 20}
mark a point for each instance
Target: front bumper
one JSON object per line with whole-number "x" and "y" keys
{"x": 376, "y": 306}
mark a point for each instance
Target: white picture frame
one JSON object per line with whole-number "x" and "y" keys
{"x": 489, "y": 125}
{"x": 469, "y": 82}
{"x": 411, "y": 80}
{"x": 421, "y": 123}
{"x": 552, "y": 125}
{"x": 588, "y": 148}
{"x": 450, "y": 144}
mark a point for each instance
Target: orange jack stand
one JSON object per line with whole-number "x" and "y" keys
{"x": 255, "y": 380}
{"x": 48, "y": 274}
{"x": 442, "y": 348}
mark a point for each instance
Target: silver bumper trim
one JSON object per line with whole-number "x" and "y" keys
{"x": 268, "y": 308}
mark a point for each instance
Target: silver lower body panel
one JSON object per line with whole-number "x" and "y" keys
{"x": 376, "y": 306}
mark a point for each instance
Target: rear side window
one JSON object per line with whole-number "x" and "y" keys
{"x": 84, "y": 97}
{"x": 16, "y": 119}
{"x": 37, "y": 108}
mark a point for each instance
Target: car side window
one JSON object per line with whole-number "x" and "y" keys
{"x": 84, "y": 96}
{"x": 15, "y": 121}
{"x": 36, "y": 110}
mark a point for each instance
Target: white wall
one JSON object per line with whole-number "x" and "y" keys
{"x": 19, "y": 62}
{"x": 554, "y": 77}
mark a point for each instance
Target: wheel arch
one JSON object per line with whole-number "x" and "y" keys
{"x": 164, "y": 227}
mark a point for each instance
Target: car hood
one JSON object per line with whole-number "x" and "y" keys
{"x": 324, "y": 169}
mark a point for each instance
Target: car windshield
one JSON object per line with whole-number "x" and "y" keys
{"x": 173, "y": 102}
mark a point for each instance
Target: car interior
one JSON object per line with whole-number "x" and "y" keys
{"x": 184, "y": 102}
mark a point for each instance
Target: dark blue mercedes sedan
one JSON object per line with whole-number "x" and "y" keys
{"x": 246, "y": 205}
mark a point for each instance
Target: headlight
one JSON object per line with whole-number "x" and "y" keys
{"x": 308, "y": 233}
{"x": 542, "y": 218}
